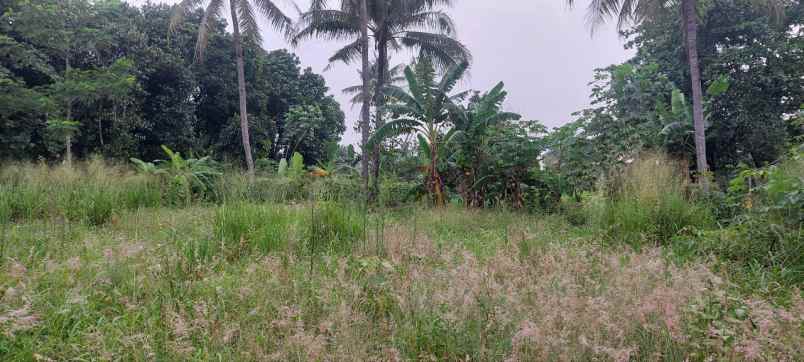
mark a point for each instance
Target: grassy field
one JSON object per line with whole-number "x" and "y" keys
{"x": 328, "y": 281}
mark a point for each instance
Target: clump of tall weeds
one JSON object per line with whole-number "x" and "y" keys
{"x": 648, "y": 202}
{"x": 247, "y": 227}
{"x": 90, "y": 192}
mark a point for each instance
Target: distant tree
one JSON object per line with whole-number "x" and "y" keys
{"x": 392, "y": 24}
{"x": 248, "y": 21}
{"x": 635, "y": 12}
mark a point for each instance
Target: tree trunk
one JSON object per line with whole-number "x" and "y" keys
{"x": 365, "y": 111}
{"x": 68, "y": 139}
{"x": 379, "y": 103}
{"x": 241, "y": 88}
{"x": 435, "y": 177}
{"x": 690, "y": 17}
{"x": 68, "y": 153}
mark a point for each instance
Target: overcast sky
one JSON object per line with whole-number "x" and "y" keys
{"x": 541, "y": 50}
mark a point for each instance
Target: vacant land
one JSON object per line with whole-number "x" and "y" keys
{"x": 325, "y": 281}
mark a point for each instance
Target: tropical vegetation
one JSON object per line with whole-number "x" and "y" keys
{"x": 169, "y": 190}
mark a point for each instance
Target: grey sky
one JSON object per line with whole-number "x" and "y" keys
{"x": 541, "y": 50}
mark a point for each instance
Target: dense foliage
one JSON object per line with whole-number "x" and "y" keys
{"x": 598, "y": 240}
{"x": 753, "y": 68}
{"x": 126, "y": 87}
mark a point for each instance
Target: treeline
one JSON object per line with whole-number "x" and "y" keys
{"x": 108, "y": 78}
{"x": 753, "y": 78}
{"x": 752, "y": 66}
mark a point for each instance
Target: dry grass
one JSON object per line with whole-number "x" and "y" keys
{"x": 133, "y": 290}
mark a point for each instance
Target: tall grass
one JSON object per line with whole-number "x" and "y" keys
{"x": 91, "y": 192}
{"x": 648, "y": 202}
{"x": 247, "y": 226}
{"x": 332, "y": 227}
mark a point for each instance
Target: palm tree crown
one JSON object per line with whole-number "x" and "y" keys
{"x": 247, "y": 19}
{"x": 398, "y": 24}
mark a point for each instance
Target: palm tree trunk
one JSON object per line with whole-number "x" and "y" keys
{"x": 379, "y": 103}
{"x": 241, "y": 88}
{"x": 690, "y": 16}
{"x": 68, "y": 139}
{"x": 365, "y": 111}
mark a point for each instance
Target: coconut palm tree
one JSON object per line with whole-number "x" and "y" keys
{"x": 420, "y": 25}
{"x": 629, "y": 12}
{"x": 394, "y": 76}
{"x": 424, "y": 109}
{"x": 244, "y": 22}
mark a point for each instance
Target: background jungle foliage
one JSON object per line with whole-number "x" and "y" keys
{"x": 129, "y": 88}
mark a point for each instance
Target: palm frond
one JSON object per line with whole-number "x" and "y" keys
{"x": 349, "y": 53}
{"x": 327, "y": 24}
{"x": 427, "y": 21}
{"x": 452, "y": 76}
{"x": 393, "y": 129}
{"x": 278, "y": 20}
{"x": 599, "y": 11}
{"x": 207, "y": 22}
{"x": 443, "y": 50}
{"x": 248, "y": 22}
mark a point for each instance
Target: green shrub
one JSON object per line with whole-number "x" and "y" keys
{"x": 574, "y": 212}
{"x": 184, "y": 179}
{"x": 396, "y": 192}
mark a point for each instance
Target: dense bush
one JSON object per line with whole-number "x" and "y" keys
{"x": 764, "y": 239}
{"x": 648, "y": 202}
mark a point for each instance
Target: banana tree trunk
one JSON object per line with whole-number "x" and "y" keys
{"x": 241, "y": 88}
{"x": 435, "y": 177}
{"x": 690, "y": 16}
{"x": 365, "y": 111}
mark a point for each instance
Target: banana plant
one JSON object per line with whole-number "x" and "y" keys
{"x": 471, "y": 125}
{"x": 186, "y": 176}
{"x": 679, "y": 120}
{"x": 424, "y": 109}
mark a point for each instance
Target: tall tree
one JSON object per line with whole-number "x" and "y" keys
{"x": 392, "y": 24}
{"x": 248, "y": 21}
{"x": 630, "y": 12}
{"x": 365, "y": 109}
